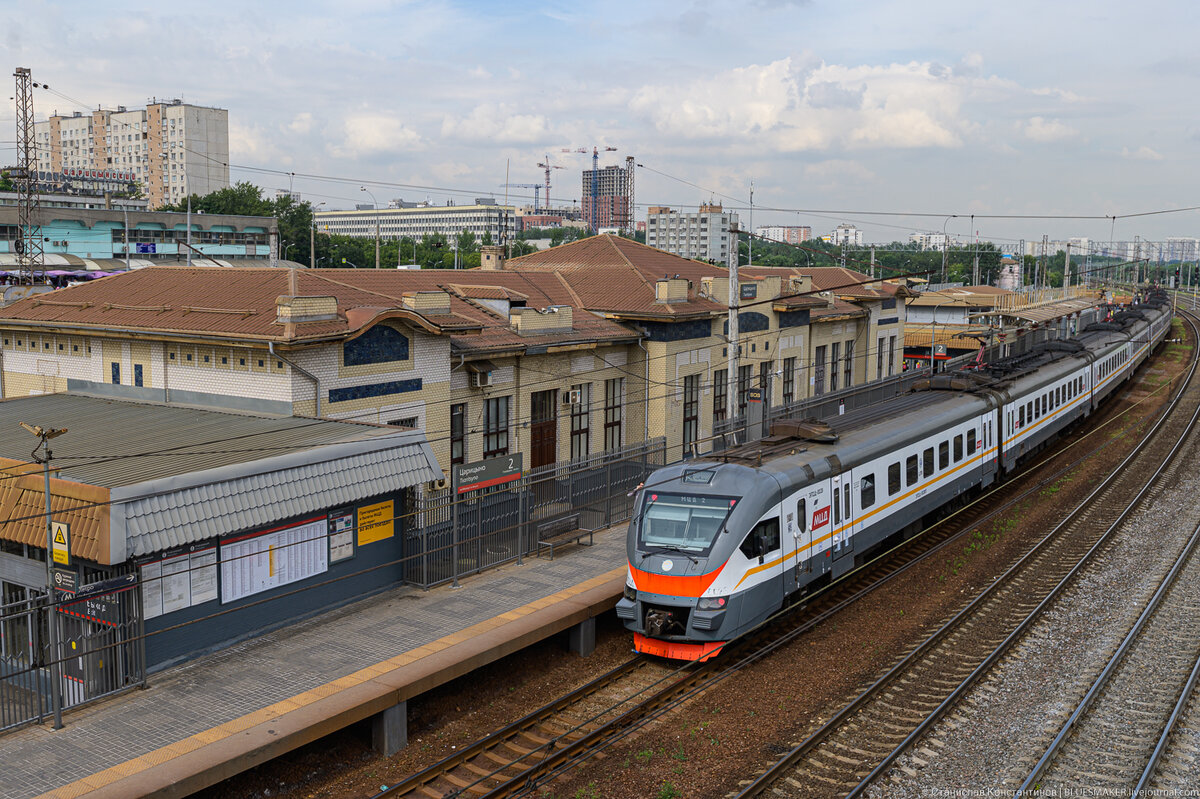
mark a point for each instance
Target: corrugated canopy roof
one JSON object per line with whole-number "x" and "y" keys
{"x": 134, "y": 478}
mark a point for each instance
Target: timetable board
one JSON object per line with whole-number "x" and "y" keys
{"x": 262, "y": 561}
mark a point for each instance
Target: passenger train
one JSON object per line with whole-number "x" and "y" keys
{"x": 718, "y": 543}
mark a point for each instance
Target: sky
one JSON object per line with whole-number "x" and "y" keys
{"x": 894, "y": 116}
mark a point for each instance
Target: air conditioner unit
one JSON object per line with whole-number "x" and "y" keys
{"x": 481, "y": 379}
{"x": 439, "y": 485}
{"x": 572, "y": 397}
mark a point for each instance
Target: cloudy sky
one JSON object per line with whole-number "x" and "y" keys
{"x": 837, "y": 110}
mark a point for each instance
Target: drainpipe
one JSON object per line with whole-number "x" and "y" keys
{"x": 301, "y": 370}
{"x": 646, "y": 394}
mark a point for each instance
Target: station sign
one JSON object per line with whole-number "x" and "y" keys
{"x": 488, "y": 473}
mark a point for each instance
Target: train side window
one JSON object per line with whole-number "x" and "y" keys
{"x": 1021, "y": 418}
{"x": 894, "y": 479}
{"x": 762, "y": 539}
{"x": 958, "y": 447}
{"x": 867, "y": 497}
{"x": 971, "y": 442}
{"x": 910, "y": 468}
{"x": 837, "y": 506}
{"x": 927, "y": 461}
{"x": 944, "y": 455}
{"x": 846, "y": 504}
{"x": 802, "y": 512}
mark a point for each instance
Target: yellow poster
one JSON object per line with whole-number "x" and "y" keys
{"x": 375, "y": 522}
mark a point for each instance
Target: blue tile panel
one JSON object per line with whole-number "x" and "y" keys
{"x": 380, "y": 344}
{"x": 750, "y": 322}
{"x": 891, "y": 320}
{"x": 374, "y": 390}
{"x": 793, "y": 318}
{"x": 678, "y": 331}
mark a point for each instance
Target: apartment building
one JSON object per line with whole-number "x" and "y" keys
{"x": 705, "y": 235}
{"x": 785, "y": 234}
{"x": 171, "y": 149}
{"x": 847, "y": 234}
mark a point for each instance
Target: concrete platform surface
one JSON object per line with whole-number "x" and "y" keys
{"x": 218, "y": 715}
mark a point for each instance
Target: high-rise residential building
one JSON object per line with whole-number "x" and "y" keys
{"x": 848, "y": 234}
{"x": 171, "y": 149}
{"x": 930, "y": 241}
{"x": 613, "y": 198}
{"x": 704, "y": 235}
{"x": 785, "y": 234}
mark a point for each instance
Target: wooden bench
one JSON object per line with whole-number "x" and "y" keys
{"x": 562, "y": 531}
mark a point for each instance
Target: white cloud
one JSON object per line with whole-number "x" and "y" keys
{"x": 799, "y": 106}
{"x": 1142, "y": 153}
{"x": 1042, "y": 129}
{"x": 374, "y": 134}
{"x": 301, "y": 124}
{"x": 496, "y": 124}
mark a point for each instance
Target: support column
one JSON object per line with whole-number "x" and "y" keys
{"x": 582, "y": 637}
{"x": 389, "y": 730}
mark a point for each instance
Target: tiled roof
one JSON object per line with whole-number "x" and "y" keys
{"x": 240, "y": 303}
{"x": 617, "y": 275}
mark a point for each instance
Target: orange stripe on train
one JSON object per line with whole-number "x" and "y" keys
{"x": 671, "y": 584}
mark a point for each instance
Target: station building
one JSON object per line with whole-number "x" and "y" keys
{"x": 562, "y": 354}
{"x": 232, "y": 523}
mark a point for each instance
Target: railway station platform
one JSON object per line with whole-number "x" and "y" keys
{"x": 213, "y": 717}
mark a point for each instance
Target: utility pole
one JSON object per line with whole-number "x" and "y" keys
{"x": 30, "y": 259}
{"x": 872, "y": 260}
{"x": 750, "y": 236}
{"x": 189, "y": 230}
{"x": 45, "y": 434}
{"x": 731, "y": 361}
{"x": 1066, "y": 270}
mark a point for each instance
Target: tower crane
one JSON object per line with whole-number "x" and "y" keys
{"x": 535, "y": 186}
{"x": 546, "y": 165}
{"x": 595, "y": 193}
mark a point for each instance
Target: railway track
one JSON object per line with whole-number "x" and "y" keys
{"x": 861, "y": 741}
{"x": 517, "y": 759}
{"x": 1117, "y": 730}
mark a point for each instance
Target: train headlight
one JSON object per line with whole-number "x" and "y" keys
{"x": 630, "y": 592}
{"x": 712, "y": 603}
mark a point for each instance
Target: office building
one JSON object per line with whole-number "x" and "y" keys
{"x": 171, "y": 149}
{"x": 420, "y": 221}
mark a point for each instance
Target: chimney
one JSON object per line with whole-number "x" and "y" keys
{"x": 293, "y": 309}
{"x": 491, "y": 257}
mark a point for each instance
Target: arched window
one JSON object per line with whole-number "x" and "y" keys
{"x": 378, "y": 345}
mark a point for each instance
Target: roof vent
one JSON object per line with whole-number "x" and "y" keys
{"x": 427, "y": 302}
{"x": 541, "y": 321}
{"x": 671, "y": 289}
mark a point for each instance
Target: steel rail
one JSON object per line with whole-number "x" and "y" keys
{"x": 1114, "y": 662}
{"x": 789, "y": 760}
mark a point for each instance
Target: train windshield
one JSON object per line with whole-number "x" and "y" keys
{"x": 682, "y": 521}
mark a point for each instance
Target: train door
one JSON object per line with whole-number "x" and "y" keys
{"x": 843, "y": 522}
{"x": 798, "y": 536}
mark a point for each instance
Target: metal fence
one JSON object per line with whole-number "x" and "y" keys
{"x": 499, "y": 526}
{"x": 100, "y": 652}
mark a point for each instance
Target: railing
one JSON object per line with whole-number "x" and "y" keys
{"x": 500, "y": 526}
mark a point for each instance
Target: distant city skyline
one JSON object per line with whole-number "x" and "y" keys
{"x": 838, "y": 113}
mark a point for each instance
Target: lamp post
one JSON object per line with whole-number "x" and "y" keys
{"x": 45, "y": 434}
{"x": 312, "y": 237}
{"x": 287, "y": 247}
{"x": 376, "y": 204}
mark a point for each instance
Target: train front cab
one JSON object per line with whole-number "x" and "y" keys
{"x": 695, "y": 580}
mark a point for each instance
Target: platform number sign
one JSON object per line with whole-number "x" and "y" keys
{"x": 60, "y": 543}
